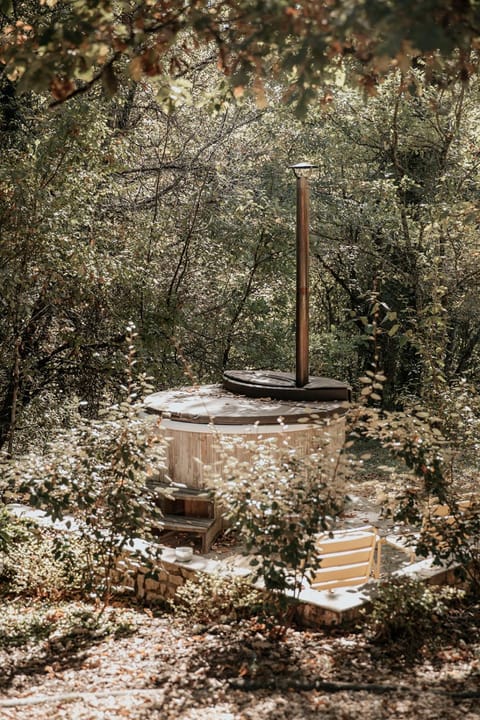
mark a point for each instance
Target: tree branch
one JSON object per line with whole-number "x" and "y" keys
{"x": 62, "y": 697}
{"x": 335, "y": 687}
{"x": 81, "y": 89}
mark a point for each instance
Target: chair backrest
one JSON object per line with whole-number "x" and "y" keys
{"x": 437, "y": 510}
{"x": 348, "y": 558}
{"x": 440, "y": 520}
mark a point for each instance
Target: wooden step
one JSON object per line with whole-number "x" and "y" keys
{"x": 207, "y": 528}
{"x": 184, "y": 523}
{"x": 180, "y": 491}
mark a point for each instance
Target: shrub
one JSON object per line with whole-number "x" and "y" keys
{"x": 278, "y": 499}
{"x": 6, "y": 531}
{"x": 216, "y": 599}
{"x": 60, "y": 626}
{"x": 434, "y": 442}
{"x": 41, "y": 563}
{"x": 454, "y": 539}
{"x": 96, "y": 476}
{"x": 409, "y": 613}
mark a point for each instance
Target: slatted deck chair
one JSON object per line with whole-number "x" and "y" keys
{"x": 405, "y": 543}
{"x": 437, "y": 510}
{"x": 439, "y": 519}
{"x": 348, "y": 558}
{"x": 434, "y": 515}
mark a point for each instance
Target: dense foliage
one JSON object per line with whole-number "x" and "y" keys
{"x": 94, "y": 478}
{"x": 66, "y": 48}
{"x": 115, "y": 211}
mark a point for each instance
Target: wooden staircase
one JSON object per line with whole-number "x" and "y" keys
{"x": 188, "y": 510}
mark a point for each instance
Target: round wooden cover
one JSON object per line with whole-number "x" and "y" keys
{"x": 214, "y": 404}
{"x": 282, "y": 386}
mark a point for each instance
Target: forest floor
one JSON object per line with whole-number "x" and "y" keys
{"x": 62, "y": 661}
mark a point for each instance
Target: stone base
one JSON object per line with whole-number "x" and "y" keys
{"x": 313, "y": 608}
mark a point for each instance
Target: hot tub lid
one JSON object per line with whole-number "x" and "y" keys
{"x": 282, "y": 386}
{"x": 205, "y": 404}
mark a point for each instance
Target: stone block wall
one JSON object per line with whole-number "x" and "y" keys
{"x": 313, "y": 608}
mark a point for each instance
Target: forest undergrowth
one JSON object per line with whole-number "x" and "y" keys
{"x": 64, "y": 658}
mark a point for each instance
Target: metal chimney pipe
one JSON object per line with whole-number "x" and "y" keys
{"x": 302, "y": 172}
{"x": 302, "y": 300}
{"x": 287, "y": 386}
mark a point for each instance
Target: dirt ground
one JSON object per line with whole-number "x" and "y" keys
{"x": 60, "y": 662}
{"x": 158, "y": 667}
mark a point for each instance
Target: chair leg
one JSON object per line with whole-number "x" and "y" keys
{"x": 378, "y": 558}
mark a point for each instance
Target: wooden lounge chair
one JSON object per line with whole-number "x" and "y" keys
{"x": 435, "y": 515}
{"x": 347, "y": 558}
{"x": 441, "y": 521}
{"x": 405, "y": 543}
